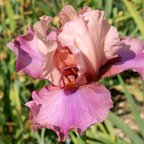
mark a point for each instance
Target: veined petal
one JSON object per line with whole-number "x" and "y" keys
{"x": 112, "y": 42}
{"x": 67, "y": 14}
{"x": 41, "y": 27}
{"x": 76, "y": 37}
{"x": 131, "y": 56}
{"x": 105, "y": 37}
{"x": 92, "y": 39}
{"x": 32, "y": 54}
{"x": 84, "y": 10}
{"x": 54, "y": 108}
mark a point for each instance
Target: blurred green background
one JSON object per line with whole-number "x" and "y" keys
{"x": 125, "y": 124}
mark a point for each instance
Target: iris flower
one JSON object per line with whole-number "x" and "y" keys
{"x": 74, "y": 58}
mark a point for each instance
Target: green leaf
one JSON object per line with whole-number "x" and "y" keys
{"x": 107, "y": 139}
{"x": 110, "y": 129}
{"x": 108, "y": 7}
{"x": 15, "y": 97}
{"x": 133, "y": 106}
{"x": 73, "y": 137}
{"x": 143, "y": 88}
{"x": 81, "y": 140}
{"x": 136, "y": 16}
{"x": 102, "y": 137}
{"x": 10, "y": 14}
{"x": 77, "y": 139}
{"x": 116, "y": 121}
{"x": 42, "y": 135}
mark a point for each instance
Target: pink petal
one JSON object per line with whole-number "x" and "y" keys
{"x": 67, "y": 14}
{"x": 77, "y": 38}
{"x": 131, "y": 56}
{"x": 56, "y": 109}
{"x": 41, "y": 27}
{"x": 112, "y": 42}
{"x": 92, "y": 39}
{"x": 32, "y": 54}
{"x": 105, "y": 37}
{"x": 84, "y": 10}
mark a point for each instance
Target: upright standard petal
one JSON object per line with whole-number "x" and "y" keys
{"x": 31, "y": 53}
{"x": 130, "y": 56}
{"x": 77, "y": 38}
{"x": 61, "y": 111}
{"x": 67, "y": 14}
{"x": 41, "y": 27}
{"x": 104, "y": 36}
{"x": 91, "y": 38}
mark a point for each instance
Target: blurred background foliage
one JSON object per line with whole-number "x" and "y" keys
{"x": 125, "y": 124}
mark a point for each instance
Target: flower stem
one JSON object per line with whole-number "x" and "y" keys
{"x": 42, "y": 135}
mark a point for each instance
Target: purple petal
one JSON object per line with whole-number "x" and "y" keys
{"x": 131, "y": 56}
{"x": 32, "y": 54}
{"x": 54, "y": 109}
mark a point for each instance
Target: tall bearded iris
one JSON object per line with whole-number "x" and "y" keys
{"x": 74, "y": 58}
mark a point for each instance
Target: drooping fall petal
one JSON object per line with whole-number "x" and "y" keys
{"x": 60, "y": 111}
{"x": 131, "y": 57}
